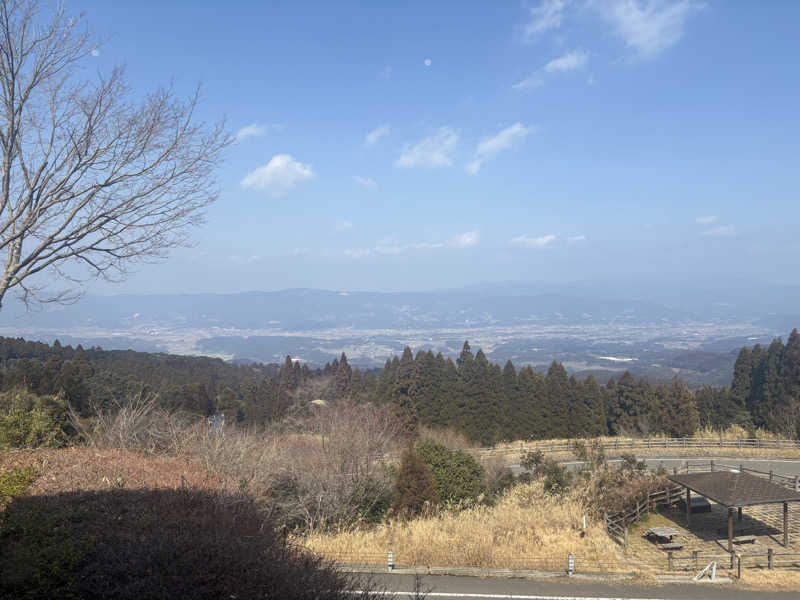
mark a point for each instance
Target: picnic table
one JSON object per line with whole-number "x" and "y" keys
{"x": 672, "y": 546}
{"x": 744, "y": 539}
{"x": 662, "y": 533}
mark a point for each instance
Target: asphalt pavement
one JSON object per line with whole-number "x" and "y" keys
{"x": 437, "y": 587}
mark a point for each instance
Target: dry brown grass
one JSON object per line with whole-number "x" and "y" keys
{"x": 72, "y": 469}
{"x": 763, "y": 579}
{"x": 526, "y": 529}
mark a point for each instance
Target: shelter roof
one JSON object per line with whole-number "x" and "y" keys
{"x": 735, "y": 489}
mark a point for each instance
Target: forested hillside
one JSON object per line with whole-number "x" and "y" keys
{"x": 486, "y": 402}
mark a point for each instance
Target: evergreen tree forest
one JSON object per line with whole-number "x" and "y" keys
{"x": 488, "y": 403}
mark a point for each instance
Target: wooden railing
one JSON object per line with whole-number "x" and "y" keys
{"x": 617, "y": 444}
{"x": 769, "y": 560}
{"x": 617, "y": 524}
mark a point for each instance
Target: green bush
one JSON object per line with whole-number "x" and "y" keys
{"x": 458, "y": 477}
{"x": 30, "y": 421}
{"x": 15, "y": 482}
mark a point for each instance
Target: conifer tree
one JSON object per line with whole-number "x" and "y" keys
{"x": 414, "y": 487}
{"x": 742, "y": 373}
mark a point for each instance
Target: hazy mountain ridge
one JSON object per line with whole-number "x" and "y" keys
{"x": 587, "y": 331}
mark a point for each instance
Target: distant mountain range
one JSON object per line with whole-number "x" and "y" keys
{"x": 657, "y": 331}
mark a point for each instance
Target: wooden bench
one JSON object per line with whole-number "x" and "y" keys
{"x": 672, "y": 546}
{"x": 744, "y": 539}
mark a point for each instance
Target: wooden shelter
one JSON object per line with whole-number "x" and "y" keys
{"x": 734, "y": 489}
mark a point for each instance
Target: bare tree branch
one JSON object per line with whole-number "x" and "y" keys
{"x": 91, "y": 180}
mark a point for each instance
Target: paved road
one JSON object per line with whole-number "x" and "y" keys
{"x": 466, "y": 588}
{"x": 779, "y": 465}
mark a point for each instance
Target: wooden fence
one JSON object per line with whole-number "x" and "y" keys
{"x": 619, "y": 444}
{"x": 617, "y": 525}
{"x": 739, "y": 561}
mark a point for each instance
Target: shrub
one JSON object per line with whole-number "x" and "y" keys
{"x": 30, "y": 421}
{"x": 132, "y": 544}
{"x": 415, "y": 488}
{"x": 458, "y": 477}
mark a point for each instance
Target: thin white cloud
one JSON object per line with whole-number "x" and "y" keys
{"x": 434, "y": 151}
{"x": 575, "y": 239}
{"x": 568, "y": 62}
{"x": 365, "y": 182}
{"x": 297, "y": 251}
{"x": 250, "y": 131}
{"x": 720, "y": 231}
{"x": 278, "y": 176}
{"x": 546, "y": 15}
{"x": 533, "y": 242}
{"x": 373, "y": 136}
{"x": 94, "y": 52}
{"x": 706, "y": 220}
{"x": 648, "y": 27}
{"x": 357, "y": 252}
{"x": 464, "y": 240}
{"x": 490, "y": 147}
{"x": 529, "y": 83}
{"x": 343, "y": 226}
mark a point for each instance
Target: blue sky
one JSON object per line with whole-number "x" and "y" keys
{"x": 427, "y": 145}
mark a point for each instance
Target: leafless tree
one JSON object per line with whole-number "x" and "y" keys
{"x": 93, "y": 179}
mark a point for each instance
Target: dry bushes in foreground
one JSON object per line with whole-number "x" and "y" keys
{"x": 527, "y": 528}
{"x": 331, "y": 471}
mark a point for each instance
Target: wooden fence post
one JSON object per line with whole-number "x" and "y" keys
{"x": 739, "y": 562}
{"x": 390, "y": 560}
{"x": 770, "y": 563}
{"x": 694, "y": 556}
{"x": 771, "y": 474}
{"x": 669, "y": 560}
{"x": 797, "y": 483}
{"x": 712, "y": 466}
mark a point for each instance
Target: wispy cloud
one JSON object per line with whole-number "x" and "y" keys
{"x": 648, "y": 26}
{"x": 254, "y": 130}
{"x": 490, "y": 147}
{"x": 464, "y": 240}
{"x": 297, "y": 251}
{"x": 343, "y": 226}
{"x": 721, "y": 230}
{"x": 373, "y": 136}
{"x": 357, "y": 252}
{"x": 365, "y": 182}
{"x": 546, "y": 15}
{"x": 391, "y": 246}
{"x": 278, "y": 176}
{"x": 568, "y": 62}
{"x": 706, "y": 220}
{"x": 434, "y": 151}
{"x": 575, "y": 239}
{"x": 533, "y": 242}
{"x": 529, "y": 83}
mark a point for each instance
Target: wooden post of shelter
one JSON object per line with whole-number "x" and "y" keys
{"x": 730, "y": 530}
{"x": 740, "y": 514}
{"x": 785, "y": 524}
{"x": 688, "y": 506}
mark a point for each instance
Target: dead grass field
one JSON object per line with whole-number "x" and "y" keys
{"x": 73, "y": 469}
{"x": 526, "y": 529}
